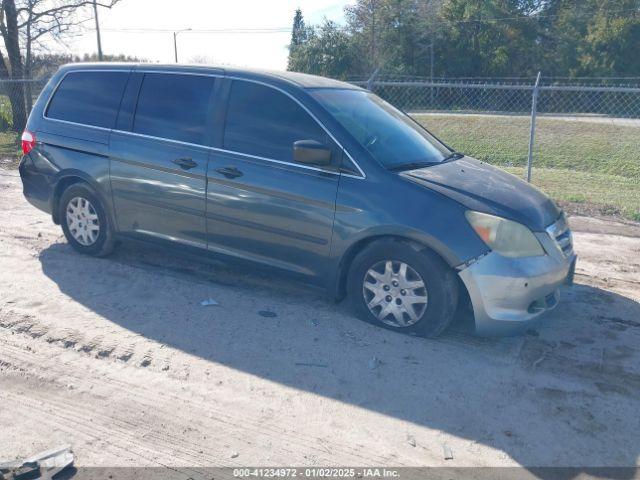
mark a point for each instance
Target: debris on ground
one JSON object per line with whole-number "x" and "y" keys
{"x": 374, "y": 363}
{"x": 209, "y": 302}
{"x": 42, "y": 466}
{"x": 235, "y": 455}
{"x": 448, "y": 453}
{"x": 411, "y": 440}
{"x": 539, "y": 360}
{"x": 319, "y": 365}
{"x": 267, "y": 313}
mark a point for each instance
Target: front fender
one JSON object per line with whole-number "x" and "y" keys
{"x": 385, "y": 205}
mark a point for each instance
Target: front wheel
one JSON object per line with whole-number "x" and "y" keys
{"x": 84, "y": 221}
{"x": 398, "y": 287}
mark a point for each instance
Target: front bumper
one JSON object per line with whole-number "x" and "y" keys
{"x": 507, "y": 294}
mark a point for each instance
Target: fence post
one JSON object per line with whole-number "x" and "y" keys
{"x": 372, "y": 78}
{"x": 532, "y": 133}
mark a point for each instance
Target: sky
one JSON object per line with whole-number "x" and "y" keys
{"x": 122, "y": 24}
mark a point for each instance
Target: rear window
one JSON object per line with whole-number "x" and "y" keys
{"x": 174, "y": 106}
{"x": 90, "y": 98}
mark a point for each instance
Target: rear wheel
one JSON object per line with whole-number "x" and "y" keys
{"x": 84, "y": 222}
{"x": 395, "y": 286}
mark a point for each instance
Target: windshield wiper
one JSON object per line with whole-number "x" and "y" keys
{"x": 453, "y": 156}
{"x": 411, "y": 166}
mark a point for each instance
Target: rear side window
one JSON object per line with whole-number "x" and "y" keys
{"x": 90, "y": 98}
{"x": 265, "y": 122}
{"x": 174, "y": 106}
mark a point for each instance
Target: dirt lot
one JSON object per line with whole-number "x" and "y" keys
{"x": 117, "y": 357}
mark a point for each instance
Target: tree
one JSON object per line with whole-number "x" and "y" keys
{"x": 405, "y": 36}
{"x": 363, "y": 26}
{"x": 326, "y": 51}
{"x": 299, "y": 35}
{"x": 25, "y": 23}
{"x": 475, "y": 38}
{"x": 10, "y": 35}
{"x": 299, "y": 30}
{"x": 562, "y": 26}
{"x": 590, "y": 37}
{"x": 477, "y": 42}
{"x": 608, "y": 42}
{"x": 395, "y": 35}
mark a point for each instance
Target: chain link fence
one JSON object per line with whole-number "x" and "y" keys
{"x": 17, "y": 96}
{"x": 585, "y": 149}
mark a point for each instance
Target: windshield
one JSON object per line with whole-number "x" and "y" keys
{"x": 385, "y": 132}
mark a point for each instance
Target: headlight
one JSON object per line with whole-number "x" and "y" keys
{"x": 510, "y": 239}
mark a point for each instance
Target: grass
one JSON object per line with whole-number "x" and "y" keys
{"x": 571, "y": 145}
{"x": 588, "y": 193}
{"x": 591, "y": 167}
{"x": 9, "y": 145}
{"x": 10, "y": 150}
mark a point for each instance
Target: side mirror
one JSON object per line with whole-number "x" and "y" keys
{"x": 310, "y": 152}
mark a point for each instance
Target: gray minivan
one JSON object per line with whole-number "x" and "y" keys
{"x": 306, "y": 175}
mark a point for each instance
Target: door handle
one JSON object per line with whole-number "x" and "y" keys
{"x": 185, "y": 163}
{"x": 229, "y": 172}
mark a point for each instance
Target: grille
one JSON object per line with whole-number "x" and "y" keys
{"x": 561, "y": 234}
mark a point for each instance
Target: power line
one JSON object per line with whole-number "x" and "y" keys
{"x": 267, "y": 30}
{"x": 195, "y": 30}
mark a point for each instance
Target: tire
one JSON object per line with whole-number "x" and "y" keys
{"x": 371, "y": 267}
{"x": 79, "y": 220}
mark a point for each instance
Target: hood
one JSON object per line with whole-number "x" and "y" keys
{"x": 482, "y": 187}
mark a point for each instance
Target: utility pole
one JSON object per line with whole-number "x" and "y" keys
{"x": 431, "y": 62}
{"x": 431, "y": 67}
{"x": 175, "y": 42}
{"x": 95, "y": 15}
{"x": 372, "y": 9}
{"x": 175, "y": 46}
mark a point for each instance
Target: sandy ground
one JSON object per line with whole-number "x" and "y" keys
{"x": 118, "y": 358}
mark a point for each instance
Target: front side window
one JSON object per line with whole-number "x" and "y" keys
{"x": 265, "y": 122}
{"x": 174, "y": 106}
{"x": 384, "y": 131}
{"x": 89, "y": 98}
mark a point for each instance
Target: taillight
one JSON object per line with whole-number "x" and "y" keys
{"x": 28, "y": 141}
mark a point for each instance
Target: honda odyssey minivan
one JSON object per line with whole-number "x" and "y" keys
{"x": 306, "y": 175}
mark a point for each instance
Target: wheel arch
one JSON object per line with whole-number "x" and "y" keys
{"x": 67, "y": 178}
{"x": 339, "y": 289}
